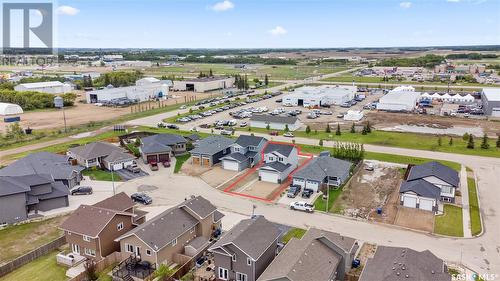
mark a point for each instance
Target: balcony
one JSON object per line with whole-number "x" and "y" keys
{"x": 133, "y": 267}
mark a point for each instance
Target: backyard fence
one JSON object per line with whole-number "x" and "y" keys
{"x": 31, "y": 256}
{"x": 111, "y": 259}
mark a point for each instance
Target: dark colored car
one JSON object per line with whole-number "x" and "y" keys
{"x": 141, "y": 198}
{"x": 307, "y": 193}
{"x": 274, "y": 133}
{"x": 293, "y": 191}
{"x": 172, "y": 126}
{"x": 81, "y": 190}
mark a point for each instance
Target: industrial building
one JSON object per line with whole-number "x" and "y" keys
{"x": 399, "y": 99}
{"x": 321, "y": 95}
{"x": 274, "y": 122}
{"x": 491, "y": 101}
{"x": 142, "y": 91}
{"x": 204, "y": 84}
{"x": 50, "y": 87}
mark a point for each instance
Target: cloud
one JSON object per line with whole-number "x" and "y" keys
{"x": 405, "y": 5}
{"x": 223, "y": 6}
{"x": 278, "y": 30}
{"x": 67, "y": 10}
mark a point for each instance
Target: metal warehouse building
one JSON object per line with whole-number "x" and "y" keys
{"x": 204, "y": 84}
{"x": 322, "y": 95}
{"x": 398, "y": 100}
{"x": 274, "y": 122}
{"x": 140, "y": 93}
{"x": 491, "y": 101}
{"x": 50, "y": 87}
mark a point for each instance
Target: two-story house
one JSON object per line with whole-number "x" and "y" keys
{"x": 91, "y": 230}
{"x": 279, "y": 161}
{"x": 245, "y": 153}
{"x": 245, "y": 251}
{"x": 427, "y": 185}
{"x": 159, "y": 148}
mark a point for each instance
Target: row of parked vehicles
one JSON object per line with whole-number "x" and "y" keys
{"x": 139, "y": 197}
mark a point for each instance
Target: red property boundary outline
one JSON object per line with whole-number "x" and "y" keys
{"x": 283, "y": 186}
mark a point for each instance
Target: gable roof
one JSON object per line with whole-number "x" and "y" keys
{"x": 421, "y": 188}
{"x": 252, "y": 236}
{"x": 116, "y": 155}
{"x": 276, "y": 166}
{"x": 119, "y": 202}
{"x": 395, "y": 263}
{"x": 436, "y": 169}
{"x": 236, "y": 156}
{"x": 283, "y": 149}
{"x": 274, "y": 119}
{"x": 212, "y": 145}
{"x": 160, "y": 142}
{"x": 321, "y": 167}
{"x": 95, "y": 150}
{"x": 11, "y": 185}
{"x": 200, "y": 206}
{"x": 249, "y": 140}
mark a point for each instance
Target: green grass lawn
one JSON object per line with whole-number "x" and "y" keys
{"x": 451, "y": 222}
{"x": 101, "y": 175}
{"x": 475, "y": 217}
{"x": 44, "y": 268}
{"x": 179, "y": 161}
{"x": 293, "y": 232}
{"x": 134, "y": 149}
{"x": 320, "y": 203}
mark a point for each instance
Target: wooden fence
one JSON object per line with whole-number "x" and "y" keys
{"x": 31, "y": 256}
{"x": 113, "y": 258}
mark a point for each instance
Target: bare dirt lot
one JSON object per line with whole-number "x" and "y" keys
{"x": 216, "y": 177}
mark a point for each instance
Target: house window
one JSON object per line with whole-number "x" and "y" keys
{"x": 89, "y": 252}
{"x": 249, "y": 261}
{"x": 237, "y": 149}
{"x": 234, "y": 257}
{"x": 86, "y": 238}
{"x": 119, "y": 226}
{"x": 174, "y": 242}
{"x": 280, "y": 159}
{"x": 148, "y": 252}
{"x": 223, "y": 273}
{"x": 251, "y": 148}
{"x": 129, "y": 248}
{"x": 241, "y": 276}
{"x": 271, "y": 159}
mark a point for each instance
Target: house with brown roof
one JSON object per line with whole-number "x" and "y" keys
{"x": 245, "y": 251}
{"x": 91, "y": 230}
{"x": 318, "y": 256}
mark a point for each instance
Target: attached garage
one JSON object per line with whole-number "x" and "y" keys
{"x": 269, "y": 176}
{"x": 231, "y": 165}
{"x": 205, "y": 162}
{"x": 426, "y": 204}
{"x": 298, "y": 181}
{"x": 410, "y": 202}
{"x": 152, "y": 158}
{"x": 196, "y": 160}
{"x": 314, "y": 185}
{"x": 165, "y": 157}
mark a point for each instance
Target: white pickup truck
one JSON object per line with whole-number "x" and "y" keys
{"x": 302, "y": 206}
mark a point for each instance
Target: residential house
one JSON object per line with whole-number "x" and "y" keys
{"x": 279, "y": 161}
{"x": 322, "y": 171}
{"x": 245, "y": 153}
{"x": 244, "y": 252}
{"x": 91, "y": 230}
{"x": 318, "y": 256}
{"x": 427, "y": 185}
{"x": 174, "y": 235}
{"x": 46, "y": 163}
{"x": 159, "y": 148}
{"x": 210, "y": 150}
{"x": 395, "y": 263}
{"x": 274, "y": 122}
{"x": 101, "y": 154}
{"x": 22, "y": 196}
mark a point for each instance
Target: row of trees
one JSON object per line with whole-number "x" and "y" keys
{"x": 348, "y": 151}
{"x": 241, "y": 82}
{"x": 34, "y": 100}
{"x": 428, "y": 61}
{"x": 241, "y": 60}
{"x": 118, "y": 78}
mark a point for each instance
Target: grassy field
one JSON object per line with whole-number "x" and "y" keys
{"x": 294, "y": 232}
{"x": 370, "y": 79}
{"x": 34, "y": 234}
{"x": 101, "y": 175}
{"x": 401, "y": 159}
{"x": 475, "y": 217}
{"x": 179, "y": 161}
{"x": 451, "y": 222}
{"x": 44, "y": 268}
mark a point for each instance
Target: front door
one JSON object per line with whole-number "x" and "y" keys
{"x": 137, "y": 251}
{"x": 75, "y": 248}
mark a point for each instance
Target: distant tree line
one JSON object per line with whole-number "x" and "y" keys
{"x": 30, "y": 100}
{"x": 428, "y": 61}
{"x": 471, "y": 56}
{"x": 118, "y": 78}
{"x": 41, "y": 79}
{"x": 241, "y": 60}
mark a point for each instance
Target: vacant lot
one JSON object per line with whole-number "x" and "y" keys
{"x": 217, "y": 177}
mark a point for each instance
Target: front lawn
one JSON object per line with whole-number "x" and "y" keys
{"x": 44, "y": 268}
{"x": 101, "y": 175}
{"x": 179, "y": 161}
{"x": 451, "y": 222}
{"x": 320, "y": 203}
{"x": 294, "y": 232}
{"x": 475, "y": 217}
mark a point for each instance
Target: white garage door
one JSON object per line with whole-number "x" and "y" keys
{"x": 410, "y": 202}
{"x": 495, "y": 112}
{"x": 300, "y": 182}
{"x": 230, "y": 165}
{"x": 269, "y": 176}
{"x": 312, "y": 185}
{"x": 117, "y": 167}
{"x": 426, "y": 204}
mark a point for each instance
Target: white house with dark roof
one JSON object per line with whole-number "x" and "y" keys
{"x": 101, "y": 154}
{"x": 274, "y": 122}
{"x": 322, "y": 170}
{"x": 245, "y": 153}
{"x": 279, "y": 161}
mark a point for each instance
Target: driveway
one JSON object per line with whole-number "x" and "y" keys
{"x": 415, "y": 219}
{"x": 127, "y": 175}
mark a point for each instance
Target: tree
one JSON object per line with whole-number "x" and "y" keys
{"x": 286, "y": 128}
{"x": 451, "y": 141}
{"x": 266, "y": 80}
{"x": 210, "y": 73}
{"x": 470, "y": 143}
{"x": 440, "y": 142}
{"x": 308, "y": 130}
{"x": 353, "y": 128}
{"x": 90, "y": 270}
{"x": 364, "y": 132}
{"x": 328, "y": 130}
{"x": 164, "y": 272}
{"x": 321, "y": 142}
{"x": 14, "y": 131}
{"x": 137, "y": 142}
{"x": 484, "y": 143}
{"x": 337, "y": 132}
{"x": 498, "y": 142}
{"x": 268, "y": 127}
{"x": 465, "y": 137}
{"x": 368, "y": 127}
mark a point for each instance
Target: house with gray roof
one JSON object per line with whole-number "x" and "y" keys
{"x": 46, "y": 163}
{"x": 25, "y": 196}
{"x": 274, "y": 122}
{"x": 245, "y": 153}
{"x": 210, "y": 150}
{"x": 322, "y": 171}
{"x": 395, "y": 263}
{"x": 175, "y": 234}
{"x": 279, "y": 161}
{"x": 159, "y": 148}
{"x": 101, "y": 154}
{"x": 319, "y": 255}
{"x": 427, "y": 185}
{"x": 245, "y": 251}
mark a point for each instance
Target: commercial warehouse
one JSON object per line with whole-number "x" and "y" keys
{"x": 491, "y": 101}
{"x": 139, "y": 93}
{"x": 274, "y": 122}
{"x": 50, "y": 87}
{"x": 399, "y": 100}
{"x": 321, "y": 95}
{"x": 204, "y": 84}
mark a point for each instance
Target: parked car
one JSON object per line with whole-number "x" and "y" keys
{"x": 340, "y": 115}
{"x": 153, "y": 166}
{"x": 182, "y": 107}
{"x": 369, "y": 167}
{"x": 306, "y": 193}
{"x": 141, "y": 198}
{"x": 274, "y": 133}
{"x": 293, "y": 191}
{"x": 302, "y": 206}
{"x": 166, "y": 164}
{"x": 226, "y": 132}
{"x": 288, "y": 135}
{"x": 243, "y": 124}
{"x": 172, "y": 126}
{"x": 133, "y": 168}
{"x": 81, "y": 190}
{"x": 160, "y": 125}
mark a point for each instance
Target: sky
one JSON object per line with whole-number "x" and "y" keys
{"x": 276, "y": 23}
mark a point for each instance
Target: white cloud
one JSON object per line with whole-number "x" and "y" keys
{"x": 67, "y": 10}
{"x": 278, "y": 30}
{"x": 405, "y": 5}
{"x": 223, "y": 6}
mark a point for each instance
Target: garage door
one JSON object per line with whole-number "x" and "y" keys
{"x": 206, "y": 162}
{"x": 269, "y": 176}
{"x": 426, "y": 204}
{"x": 230, "y": 165}
{"x": 495, "y": 112}
{"x": 117, "y": 167}
{"x": 312, "y": 185}
{"x": 164, "y": 157}
{"x": 196, "y": 160}
{"x": 152, "y": 158}
{"x": 410, "y": 202}
{"x": 300, "y": 182}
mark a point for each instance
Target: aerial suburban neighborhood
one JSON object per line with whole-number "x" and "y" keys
{"x": 232, "y": 140}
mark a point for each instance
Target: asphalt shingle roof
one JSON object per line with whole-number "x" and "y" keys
{"x": 119, "y": 202}
{"x": 160, "y": 142}
{"x": 212, "y": 145}
{"x": 436, "y": 169}
{"x": 274, "y": 119}
{"x": 278, "y": 166}
{"x": 421, "y": 188}
{"x": 200, "y": 206}
{"x": 246, "y": 140}
{"x": 95, "y": 150}
{"x": 89, "y": 220}
{"x": 283, "y": 149}
{"x": 236, "y": 156}
{"x": 9, "y": 186}
{"x": 321, "y": 167}
{"x": 116, "y": 155}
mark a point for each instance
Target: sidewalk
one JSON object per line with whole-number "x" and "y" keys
{"x": 465, "y": 203}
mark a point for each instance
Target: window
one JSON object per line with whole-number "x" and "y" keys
{"x": 234, "y": 257}
{"x": 129, "y": 248}
{"x": 281, "y": 159}
{"x": 89, "y": 252}
{"x": 223, "y": 273}
{"x": 148, "y": 252}
{"x": 241, "y": 276}
{"x": 251, "y": 148}
{"x": 174, "y": 242}
{"x": 119, "y": 226}
{"x": 271, "y": 158}
{"x": 236, "y": 149}
{"x": 249, "y": 261}
{"x": 86, "y": 238}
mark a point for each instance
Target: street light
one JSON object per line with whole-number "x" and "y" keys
{"x": 59, "y": 103}
{"x": 327, "y": 189}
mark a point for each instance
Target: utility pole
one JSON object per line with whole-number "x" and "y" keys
{"x": 113, "y": 176}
